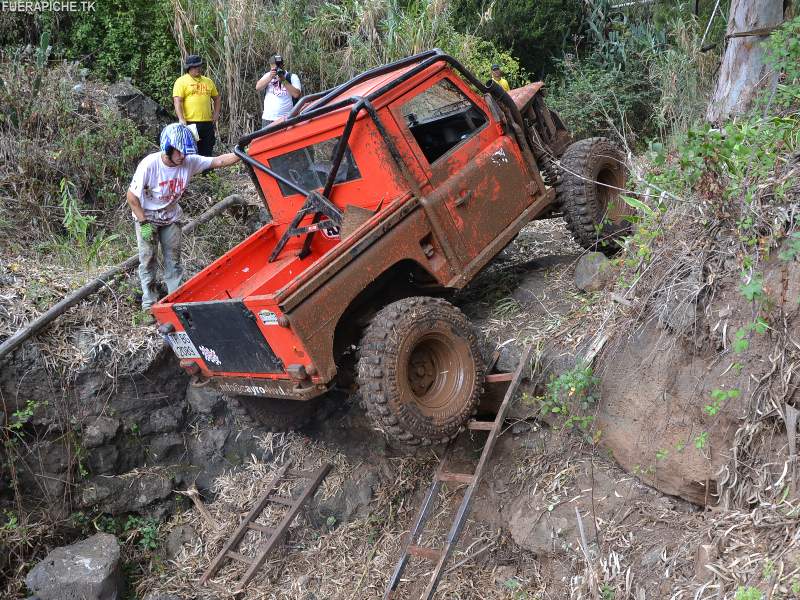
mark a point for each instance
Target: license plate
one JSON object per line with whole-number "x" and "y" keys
{"x": 182, "y": 346}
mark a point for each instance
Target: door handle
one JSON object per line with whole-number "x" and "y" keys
{"x": 463, "y": 198}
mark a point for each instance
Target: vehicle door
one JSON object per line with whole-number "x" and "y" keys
{"x": 476, "y": 170}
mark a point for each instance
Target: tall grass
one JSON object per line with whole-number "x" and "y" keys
{"x": 324, "y": 42}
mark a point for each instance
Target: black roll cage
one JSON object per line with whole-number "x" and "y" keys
{"x": 319, "y": 203}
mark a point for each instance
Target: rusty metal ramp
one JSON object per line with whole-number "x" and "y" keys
{"x": 414, "y": 544}
{"x": 293, "y": 504}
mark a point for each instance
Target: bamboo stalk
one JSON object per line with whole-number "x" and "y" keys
{"x": 102, "y": 280}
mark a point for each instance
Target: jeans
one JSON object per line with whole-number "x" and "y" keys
{"x": 205, "y": 145}
{"x": 169, "y": 236}
{"x": 265, "y": 122}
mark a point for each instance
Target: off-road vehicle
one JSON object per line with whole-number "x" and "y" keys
{"x": 387, "y": 194}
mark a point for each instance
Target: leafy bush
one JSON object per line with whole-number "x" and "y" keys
{"x": 66, "y": 153}
{"x": 128, "y": 38}
{"x": 593, "y": 99}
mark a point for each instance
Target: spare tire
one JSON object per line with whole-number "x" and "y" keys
{"x": 592, "y": 176}
{"x": 276, "y": 414}
{"x": 420, "y": 371}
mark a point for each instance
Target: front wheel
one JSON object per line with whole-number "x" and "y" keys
{"x": 592, "y": 177}
{"x": 420, "y": 372}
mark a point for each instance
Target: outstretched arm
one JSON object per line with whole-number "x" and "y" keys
{"x": 224, "y": 160}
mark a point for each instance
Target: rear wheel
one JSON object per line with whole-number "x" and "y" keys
{"x": 276, "y": 414}
{"x": 420, "y": 371}
{"x": 593, "y": 173}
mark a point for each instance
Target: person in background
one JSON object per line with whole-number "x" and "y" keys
{"x": 282, "y": 89}
{"x": 497, "y": 75}
{"x": 197, "y": 102}
{"x": 154, "y": 194}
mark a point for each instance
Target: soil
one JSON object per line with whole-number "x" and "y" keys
{"x": 555, "y": 517}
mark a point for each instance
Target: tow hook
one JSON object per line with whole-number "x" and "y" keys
{"x": 297, "y": 372}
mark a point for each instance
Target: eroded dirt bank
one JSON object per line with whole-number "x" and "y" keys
{"x": 128, "y": 441}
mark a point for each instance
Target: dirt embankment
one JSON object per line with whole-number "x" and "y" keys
{"x": 143, "y": 436}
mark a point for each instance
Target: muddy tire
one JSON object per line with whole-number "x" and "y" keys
{"x": 274, "y": 414}
{"x": 594, "y": 212}
{"x": 420, "y": 371}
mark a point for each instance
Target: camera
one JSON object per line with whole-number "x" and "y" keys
{"x": 281, "y": 72}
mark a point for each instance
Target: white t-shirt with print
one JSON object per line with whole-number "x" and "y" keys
{"x": 159, "y": 187}
{"x": 278, "y": 100}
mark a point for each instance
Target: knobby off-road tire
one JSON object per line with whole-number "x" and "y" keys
{"x": 420, "y": 371}
{"x": 274, "y": 414}
{"x": 592, "y": 171}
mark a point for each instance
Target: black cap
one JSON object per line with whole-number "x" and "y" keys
{"x": 495, "y": 67}
{"x": 193, "y": 60}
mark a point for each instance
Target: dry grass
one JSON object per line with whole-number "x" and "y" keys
{"x": 348, "y": 560}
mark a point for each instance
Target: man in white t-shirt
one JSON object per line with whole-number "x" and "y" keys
{"x": 154, "y": 195}
{"x": 282, "y": 89}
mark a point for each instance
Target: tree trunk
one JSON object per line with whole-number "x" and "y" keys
{"x": 743, "y": 70}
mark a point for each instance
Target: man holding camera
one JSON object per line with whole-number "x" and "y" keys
{"x": 282, "y": 89}
{"x": 197, "y": 102}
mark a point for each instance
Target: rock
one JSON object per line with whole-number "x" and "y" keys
{"x": 101, "y": 431}
{"x": 163, "y": 420}
{"x": 103, "y": 460}
{"x": 653, "y": 556}
{"x": 132, "y": 103}
{"x": 351, "y": 501}
{"x": 166, "y": 446}
{"x": 87, "y": 570}
{"x": 520, "y": 427}
{"x": 120, "y": 494}
{"x": 54, "y": 457}
{"x": 593, "y": 272}
{"x": 704, "y": 556}
{"x": 178, "y": 537}
{"x": 203, "y": 400}
{"x": 509, "y": 357}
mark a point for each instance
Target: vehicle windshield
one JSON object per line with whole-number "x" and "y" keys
{"x": 308, "y": 167}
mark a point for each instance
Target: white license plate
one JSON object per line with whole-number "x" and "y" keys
{"x": 182, "y": 346}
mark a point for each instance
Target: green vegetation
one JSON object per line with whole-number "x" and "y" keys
{"x": 570, "y": 395}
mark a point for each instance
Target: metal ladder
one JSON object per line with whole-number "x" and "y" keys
{"x": 229, "y": 551}
{"x": 440, "y": 555}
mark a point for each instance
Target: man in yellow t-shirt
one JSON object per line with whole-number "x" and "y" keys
{"x": 193, "y": 96}
{"x": 497, "y": 75}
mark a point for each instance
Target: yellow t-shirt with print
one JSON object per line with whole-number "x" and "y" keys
{"x": 197, "y": 93}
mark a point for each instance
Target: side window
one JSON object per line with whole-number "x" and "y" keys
{"x": 308, "y": 167}
{"x": 440, "y": 118}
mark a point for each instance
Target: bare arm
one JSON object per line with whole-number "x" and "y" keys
{"x": 293, "y": 91}
{"x": 224, "y": 160}
{"x": 136, "y": 206}
{"x": 265, "y": 79}
{"x": 177, "y": 101}
{"x": 217, "y": 106}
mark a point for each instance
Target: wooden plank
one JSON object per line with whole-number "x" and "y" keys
{"x": 456, "y": 477}
{"x": 280, "y": 528}
{"x": 498, "y": 377}
{"x": 433, "y": 554}
{"x": 237, "y": 536}
{"x": 260, "y": 527}
{"x": 474, "y": 425}
{"x": 285, "y": 500}
{"x": 238, "y": 557}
